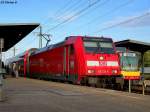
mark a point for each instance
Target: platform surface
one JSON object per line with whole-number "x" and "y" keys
{"x": 30, "y": 95}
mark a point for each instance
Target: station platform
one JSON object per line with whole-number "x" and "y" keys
{"x": 32, "y": 95}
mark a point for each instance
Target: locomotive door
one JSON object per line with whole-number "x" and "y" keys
{"x": 68, "y": 61}
{"x": 71, "y": 61}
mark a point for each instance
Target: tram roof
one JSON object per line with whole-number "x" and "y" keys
{"x": 13, "y": 33}
{"x": 134, "y": 45}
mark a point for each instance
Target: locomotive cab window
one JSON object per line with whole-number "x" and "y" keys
{"x": 71, "y": 49}
{"x": 98, "y": 47}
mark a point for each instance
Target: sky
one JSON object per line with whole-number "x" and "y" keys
{"x": 62, "y": 18}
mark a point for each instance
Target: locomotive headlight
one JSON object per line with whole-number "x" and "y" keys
{"x": 114, "y": 71}
{"x": 91, "y": 71}
{"x": 101, "y": 58}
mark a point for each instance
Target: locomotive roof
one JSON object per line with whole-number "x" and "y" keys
{"x": 61, "y": 43}
{"x": 13, "y": 33}
{"x": 134, "y": 45}
{"x": 97, "y": 38}
{"x": 47, "y": 48}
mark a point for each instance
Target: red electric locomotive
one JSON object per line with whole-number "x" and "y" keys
{"x": 77, "y": 59}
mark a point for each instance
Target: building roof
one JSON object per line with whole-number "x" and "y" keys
{"x": 134, "y": 45}
{"x": 13, "y": 33}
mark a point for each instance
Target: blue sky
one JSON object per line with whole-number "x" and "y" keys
{"x": 49, "y": 13}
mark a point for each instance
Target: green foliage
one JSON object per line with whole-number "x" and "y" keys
{"x": 147, "y": 59}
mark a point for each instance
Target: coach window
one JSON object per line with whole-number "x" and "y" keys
{"x": 71, "y": 49}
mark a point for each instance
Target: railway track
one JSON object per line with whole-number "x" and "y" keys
{"x": 134, "y": 88}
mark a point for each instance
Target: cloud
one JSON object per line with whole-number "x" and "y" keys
{"x": 141, "y": 22}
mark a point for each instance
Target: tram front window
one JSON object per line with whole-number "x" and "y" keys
{"x": 129, "y": 62}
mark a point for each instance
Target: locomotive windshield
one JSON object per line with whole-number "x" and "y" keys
{"x": 99, "y": 47}
{"x": 129, "y": 61}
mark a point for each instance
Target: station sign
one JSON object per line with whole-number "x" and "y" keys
{"x": 129, "y": 54}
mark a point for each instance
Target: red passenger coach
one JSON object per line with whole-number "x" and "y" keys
{"x": 25, "y": 62}
{"x": 22, "y": 62}
{"x": 77, "y": 59}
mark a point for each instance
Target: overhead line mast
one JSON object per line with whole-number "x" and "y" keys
{"x": 45, "y": 36}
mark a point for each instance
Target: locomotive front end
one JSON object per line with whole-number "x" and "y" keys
{"x": 101, "y": 58}
{"x": 101, "y": 61}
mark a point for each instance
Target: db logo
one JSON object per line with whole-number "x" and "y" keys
{"x": 102, "y": 63}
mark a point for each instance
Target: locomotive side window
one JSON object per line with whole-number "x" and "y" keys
{"x": 71, "y": 58}
{"x": 71, "y": 49}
